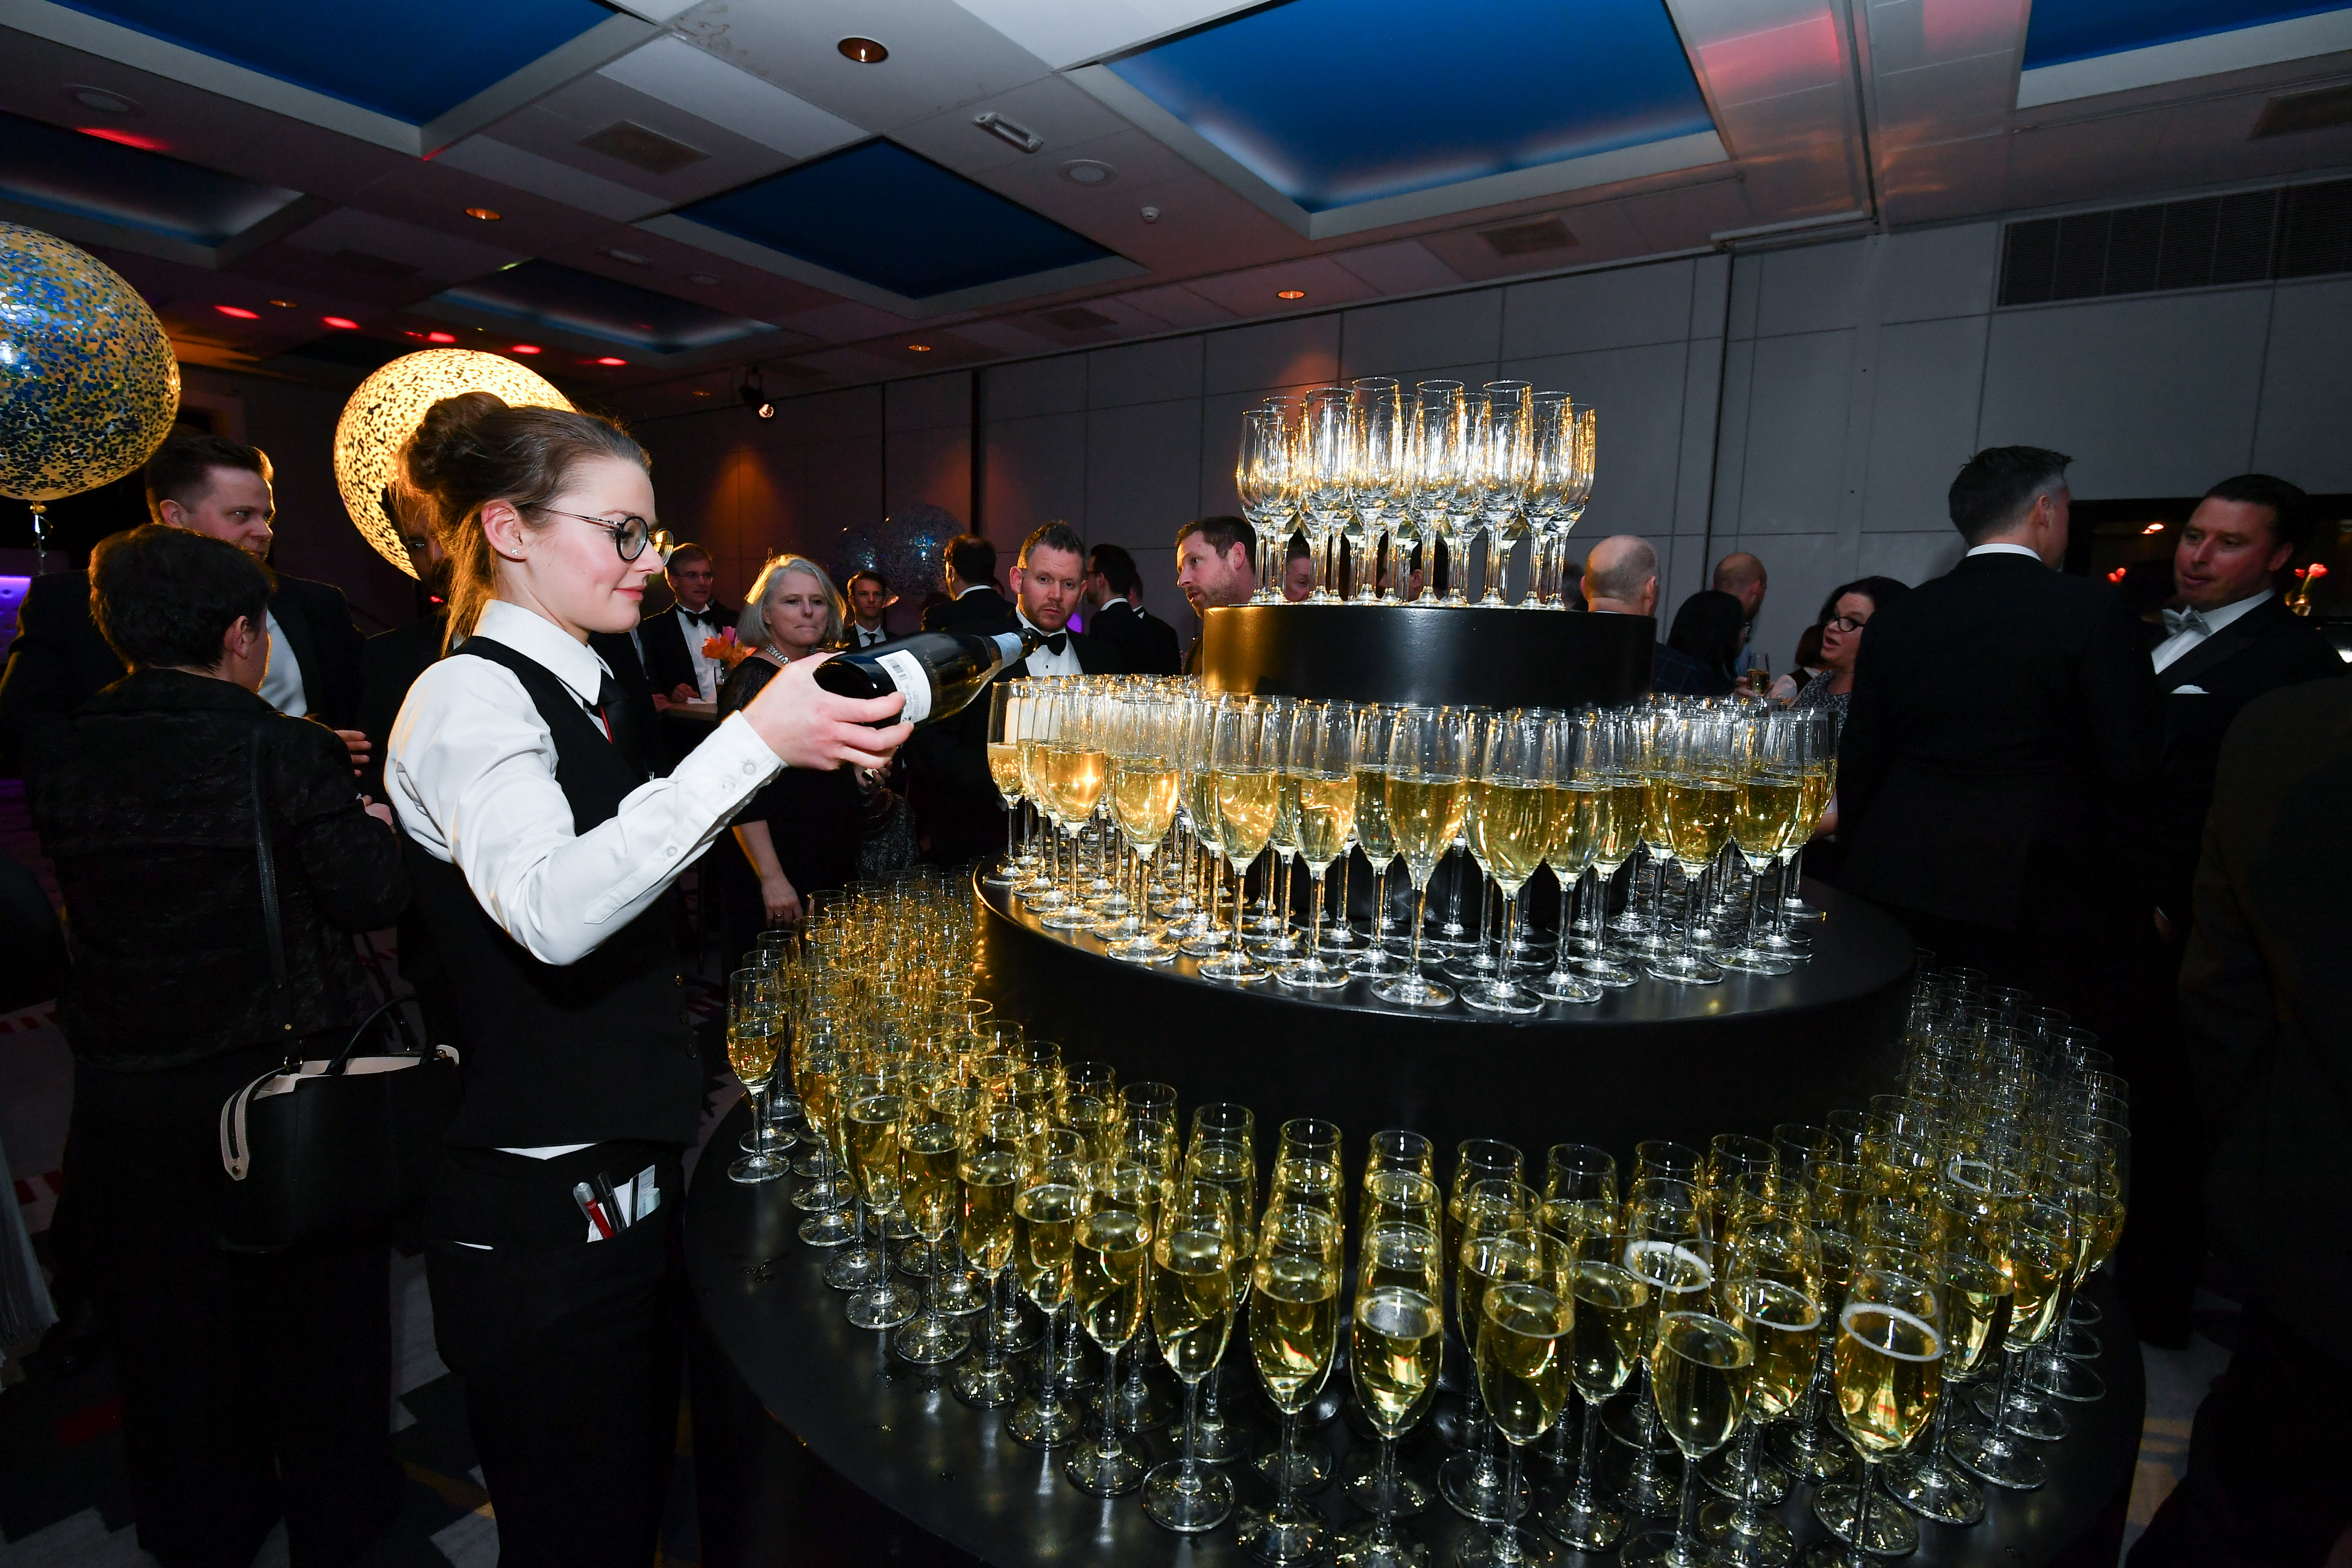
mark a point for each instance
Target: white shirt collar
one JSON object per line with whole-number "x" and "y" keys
{"x": 2216, "y": 619}
{"x": 975, "y": 588}
{"x": 528, "y": 633}
{"x": 2006, "y": 549}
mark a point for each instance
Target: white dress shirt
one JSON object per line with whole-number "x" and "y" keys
{"x": 864, "y": 638}
{"x": 2033, "y": 556}
{"x": 1044, "y": 661}
{"x": 2176, "y": 646}
{"x": 470, "y": 768}
{"x": 281, "y": 688}
{"x": 708, "y": 672}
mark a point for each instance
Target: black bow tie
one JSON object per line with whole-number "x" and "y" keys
{"x": 699, "y": 617}
{"x": 1058, "y": 641}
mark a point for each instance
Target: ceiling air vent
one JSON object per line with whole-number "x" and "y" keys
{"x": 1076, "y": 318}
{"x": 1529, "y": 238}
{"x": 2320, "y": 110}
{"x": 374, "y": 266}
{"x": 2211, "y": 242}
{"x": 640, "y": 148}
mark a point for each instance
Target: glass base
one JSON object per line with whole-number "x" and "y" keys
{"x": 1603, "y": 970}
{"x": 752, "y": 1170}
{"x": 1410, "y": 990}
{"x": 2060, "y": 1377}
{"x": 1341, "y": 937}
{"x": 962, "y": 1292}
{"x": 1098, "y": 1471}
{"x": 1009, "y": 1332}
{"x": 1217, "y": 1441}
{"x": 857, "y": 1267}
{"x": 1502, "y": 996}
{"x": 2027, "y": 1415}
{"x": 1474, "y": 969}
{"x": 1044, "y": 900}
{"x": 1186, "y": 1505}
{"x": 827, "y": 1227}
{"x": 1601, "y": 1527}
{"x": 807, "y": 1167}
{"x": 1362, "y": 1485}
{"x": 1038, "y": 1422}
{"x": 1684, "y": 969}
{"x": 1313, "y": 975}
{"x": 1997, "y": 1458}
{"x": 984, "y": 1386}
{"x": 1280, "y": 1535}
{"x": 1720, "y": 1472}
{"x": 931, "y": 1340}
{"x": 1892, "y": 1532}
{"x": 1473, "y": 1490}
{"x": 1143, "y": 1406}
{"x": 1748, "y": 1536}
{"x": 1205, "y": 944}
{"x": 1934, "y": 1489}
{"x": 1754, "y": 961}
{"x": 1067, "y": 917}
{"x": 1239, "y": 968}
{"x": 830, "y": 1194}
{"x": 1377, "y": 963}
{"x": 1810, "y": 1454}
{"x": 1567, "y": 986}
{"x": 1142, "y": 949}
{"x": 2078, "y": 1344}
{"x": 1368, "y": 1545}
{"x": 1310, "y": 1465}
{"x": 1484, "y": 1549}
{"x": 885, "y": 1306}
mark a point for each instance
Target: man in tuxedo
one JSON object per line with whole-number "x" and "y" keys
{"x": 673, "y": 638}
{"x": 1115, "y": 615}
{"x": 972, "y": 600}
{"x": 1216, "y": 566}
{"x": 206, "y": 484}
{"x": 869, "y": 600}
{"x": 2266, "y": 999}
{"x": 1995, "y": 814}
{"x": 1621, "y": 578}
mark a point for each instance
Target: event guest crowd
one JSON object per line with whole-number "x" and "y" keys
{"x": 2134, "y": 820}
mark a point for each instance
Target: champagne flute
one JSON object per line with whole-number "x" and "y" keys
{"x": 1193, "y": 1257}
{"x": 1110, "y": 1264}
{"x": 1004, "y": 772}
{"x": 1396, "y": 1342}
{"x": 1203, "y": 937}
{"x": 1040, "y": 710}
{"x": 876, "y": 1115}
{"x": 1668, "y": 1251}
{"x": 1075, "y": 769}
{"x": 1463, "y": 512}
{"x": 1580, "y": 1207}
{"x": 1773, "y": 1293}
{"x": 1262, "y": 477}
{"x": 755, "y": 1031}
{"x": 1695, "y": 792}
{"x": 1319, "y": 771}
{"x": 1248, "y": 790}
{"x": 1512, "y": 804}
{"x": 1427, "y": 793}
{"x": 1978, "y": 1294}
{"x": 1611, "y": 1307}
{"x": 1378, "y": 477}
{"x": 1294, "y": 1328}
{"x": 1145, "y": 779}
{"x": 1326, "y": 450}
{"x": 930, "y": 1152}
{"x": 1700, "y": 1365}
{"x": 1578, "y": 821}
{"x": 1375, "y": 835}
{"x": 1496, "y": 1221}
{"x": 1045, "y": 1212}
{"x": 1506, "y": 467}
{"x": 1523, "y": 1364}
{"x": 1888, "y": 1364}
{"x": 988, "y": 1166}
{"x": 2041, "y": 1256}
{"x": 1764, "y": 813}
{"x": 1272, "y": 931}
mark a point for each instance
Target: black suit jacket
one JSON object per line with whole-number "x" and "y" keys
{"x": 1146, "y": 644}
{"x": 390, "y": 663}
{"x": 980, "y": 607}
{"x": 2266, "y": 1000}
{"x": 60, "y": 658}
{"x": 2267, "y": 648}
{"x": 670, "y": 662}
{"x": 2000, "y": 747}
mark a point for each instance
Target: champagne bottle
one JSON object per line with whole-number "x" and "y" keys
{"x": 939, "y": 671}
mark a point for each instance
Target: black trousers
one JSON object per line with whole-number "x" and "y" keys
{"x": 253, "y": 1387}
{"x": 2268, "y": 1461}
{"x": 571, "y": 1350}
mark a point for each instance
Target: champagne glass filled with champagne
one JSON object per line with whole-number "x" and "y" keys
{"x": 1145, "y": 779}
{"x": 1578, "y": 821}
{"x": 1319, "y": 773}
{"x": 1396, "y": 1340}
{"x": 928, "y": 1151}
{"x": 1374, "y": 834}
{"x": 1700, "y": 1365}
{"x": 988, "y": 1168}
{"x": 1248, "y": 792}
{"x": 1888, "y": 1371}
{"x": 1193, "y": 1259}
{"x": 1773, "y": 1291}
{"x": 876, "y": 1112}
{"x": 755, "y": 1033}
{"x": 2042, "y": 1254}
{"x": 1077, "y": 768}
{"x": 1694, "y": 790}
{"x": 1668, "y": 1251}
{"x": 1294, "y": 1329}
{"x": 818, "y": 1062}
{"x": 1038, "y": 707}
{"x": 1512, "y": 801}
{"x": 1611, "y": 1309}
{"x": 1004, "y": 772}
{"x": 1427, "y": 792}
{"x": 1764, "y": 813}
{"x": 1202, "y": 937}
{"x": 1046, "y": 1207}
{"x": 1110, "y": 1264}
{"x": 1978, "y": 1294}
{"x": 1496, "y": 1220}
{"x": 1523, "y": 1376}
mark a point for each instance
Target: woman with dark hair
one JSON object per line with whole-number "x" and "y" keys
{"x": 543, "y": 855}
{"x": 1707, "y": 628}
{"x": 1845, "y": 613}
{"x": 254, "y": 1387}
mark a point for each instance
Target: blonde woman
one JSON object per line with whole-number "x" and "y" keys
{"x": 799, "y": 834}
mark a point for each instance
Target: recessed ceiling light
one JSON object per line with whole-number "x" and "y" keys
{"x": 126, "y": 138}
{"x": 610, "y": 359}
{"x": 345, "y": 322}
{"x": 1089, "y": 172}
{"x": 239, "y": 311}
{"x": 704, "y": 278}
{"x": 486, "y": 215}
{"x": 1290, "y": 293}
{"x": 98, "y": 98}
{"x": 702, "y": 391}
{"x": 920, "y": 348}
{"x": 440, "y": 337}
{"x": 283, "y": 304}
{"x": 865, "y": 51}
{"x": 630, "y": 258}
{"x": 2151, "y": 528}
{"x": 522, "y": 348}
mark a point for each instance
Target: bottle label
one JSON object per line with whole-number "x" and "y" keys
{"x": 908, "y": 672}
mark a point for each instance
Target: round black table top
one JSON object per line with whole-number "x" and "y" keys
{"x": 899, "y": 1433}
{"x": 1653, "y": 1061}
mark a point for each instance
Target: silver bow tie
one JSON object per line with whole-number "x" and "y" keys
{"x": 2192, "y": 620}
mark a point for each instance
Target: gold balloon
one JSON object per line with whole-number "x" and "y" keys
{"x": 388, "y": 408}
{"x": 89, "y": 385}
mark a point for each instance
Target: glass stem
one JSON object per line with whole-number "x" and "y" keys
{"x": 1686, "y": 1531}
{"x": 1282, "y": 896}
{"x": 1282, "y": 1487}
{"x": 1315, "y": 921}
{"x": 1420, "y": 913}
{"x": 1385, "y": 1490}
{"x": 1380, "y": 909}
{"x": 1510, "y": 937}
{"x": 1690, "y": 914}
{"x": 1858, "y": 1555}
{"x": 1110, "y": 1402}
{"x": 2008, "y": 1360}
{"x": 1507, "y": 1533}
{"x": 1587, "y": 1463}
{"x": 1239, "y": 910}
{"x": 1190, "y": 1479}
{"x": 1012, "y": 817}
{"x": 1485, "y": 937}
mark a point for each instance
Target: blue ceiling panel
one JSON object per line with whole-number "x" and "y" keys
{"x": 1334, "y": 103}
{"x": 886, "y": 218}
{"x": 542, "y": 294}
{"x": 2064, "y": 31}
{"x": 61, "y": 171}
{"x": 412, "y": 60}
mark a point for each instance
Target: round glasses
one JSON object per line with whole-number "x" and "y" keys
{"x": 630, "y": 535}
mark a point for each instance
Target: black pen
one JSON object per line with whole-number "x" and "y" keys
{"x": 611, "y": 1204}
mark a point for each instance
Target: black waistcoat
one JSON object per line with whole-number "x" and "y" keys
{"x": 576, "y": 1053}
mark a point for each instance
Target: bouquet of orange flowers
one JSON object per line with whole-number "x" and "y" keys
{"x": 725, "y": 650}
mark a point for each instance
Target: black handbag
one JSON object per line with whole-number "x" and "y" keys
{"x": 318, "y": 1151}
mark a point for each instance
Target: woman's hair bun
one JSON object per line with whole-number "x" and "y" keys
{"x": 451, "y": 432}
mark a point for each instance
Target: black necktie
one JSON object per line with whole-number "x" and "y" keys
{"x": 613, "y": 708}
{"x": 1058, "y": 641}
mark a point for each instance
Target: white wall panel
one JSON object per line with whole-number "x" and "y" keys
{"x": 1799, "y": 569}
{"x": 928, "y": 402}
{"x": 1795, "y": 434}
{"x": 1304, "y": 351}
{"x": 1924, "y": 421}
{"x": 1037, "y": 471}
{"x": 930, "y": 467}
{"x": 1143, "y": 467}
{"x": 1812, "y": 288}
{"x": 1938, "y": 273}
{"x": 1155, "y": 371}
{"x": 1912, "y": 558}
{"x": 1587, "y": 311}
{"x": 1414, "y": 334}
{"x": 2151, "y": 396}
{"x": 1057, "y": 385}
{"x": 2305, "y": 433}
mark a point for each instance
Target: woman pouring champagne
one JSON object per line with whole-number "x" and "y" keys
{"x": 541, "y": 852}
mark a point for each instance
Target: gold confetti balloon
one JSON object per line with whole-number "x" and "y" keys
{"x": 89, "y": 385}
{"x": 388, "y": 408}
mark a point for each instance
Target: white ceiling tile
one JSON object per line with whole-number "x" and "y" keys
{"x": 1178, "y": 307}
{"x": 1402, "y": 267}
{"x": 442, "y": 256}
{"x": 1255, "y": 291}
{"x": 1006, "y": 336}
{"x": 1063, "y": 34}
{"x": 1068, "y": 121}
{"x": 495, "y": 160}
{"x": 676, "y": 72}
{"x": 940, "y": 55}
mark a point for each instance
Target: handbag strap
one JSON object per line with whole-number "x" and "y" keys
{"x": 273, "y": 935}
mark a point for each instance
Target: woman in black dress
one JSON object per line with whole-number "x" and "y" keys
{"x": 792, "y": 613}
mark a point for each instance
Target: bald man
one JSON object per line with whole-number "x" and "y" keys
{"x": 1621, "y": 578}
{"x": 1741, "y": 575}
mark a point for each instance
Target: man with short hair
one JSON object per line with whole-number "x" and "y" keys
{"x": 1297, "y": 572}
{"x": 209, "y": 485}
{"x": 1621, "y": 578}
{"x": 673, "y": 638}
{"x": 1216, "y": 566}
{"x": 1994, "y": 815}
{"x": 1741, "y": 575}
{"x": 969, "y": 571}
{"x": 1114, "y": 589}
{"x": 869, "y": 599}
{"x": 1048, "y": 580}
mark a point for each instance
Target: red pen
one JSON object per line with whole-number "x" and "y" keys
{"x": 580, "y": 1196}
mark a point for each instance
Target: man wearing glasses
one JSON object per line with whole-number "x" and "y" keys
{"x": 673, "y": 638}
